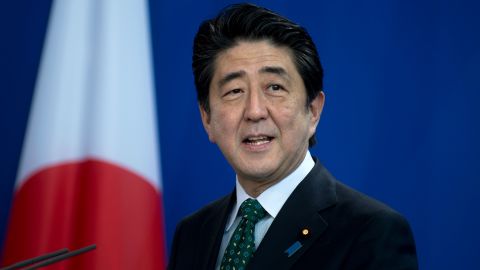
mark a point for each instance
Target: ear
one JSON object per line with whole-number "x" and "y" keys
{"x": 206, "y": 122}
{"x": 315, "y": 107}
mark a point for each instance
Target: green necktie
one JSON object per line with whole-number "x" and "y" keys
{"x": 241, "y": 247}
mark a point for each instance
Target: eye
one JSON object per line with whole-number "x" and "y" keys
{"x": 275, "y": 87}
{"x": 233, "y": 92}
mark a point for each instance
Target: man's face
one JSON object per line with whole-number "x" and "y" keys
{"x": 258, "y": 115}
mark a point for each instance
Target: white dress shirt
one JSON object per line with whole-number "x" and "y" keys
{"x": 272, "y": 200}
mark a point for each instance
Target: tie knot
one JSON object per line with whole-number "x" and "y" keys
{"x": 252, "y": 210}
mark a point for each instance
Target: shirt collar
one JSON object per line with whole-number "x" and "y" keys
{"x": 275, "y": 196}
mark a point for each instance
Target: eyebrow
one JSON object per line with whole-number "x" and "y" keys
{"x": 230, "y": 77}
{"x": 238, "y": 74}
{"x": 275, "y": 70}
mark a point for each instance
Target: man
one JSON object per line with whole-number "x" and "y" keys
{"x": 259, "y": 84}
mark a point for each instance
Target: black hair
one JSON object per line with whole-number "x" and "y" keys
{"x": 248, "y": 22}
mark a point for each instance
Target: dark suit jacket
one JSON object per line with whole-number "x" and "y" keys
{"x": 348, "y": 231}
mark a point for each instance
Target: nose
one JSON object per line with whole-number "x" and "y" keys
{"x": 256, "y": 106}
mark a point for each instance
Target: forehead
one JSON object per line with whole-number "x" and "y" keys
{"x": 251, "y": 56}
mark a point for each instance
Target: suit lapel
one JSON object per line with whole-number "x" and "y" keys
{"x": 212, "y": 232}
{"x": 283, "y": 243}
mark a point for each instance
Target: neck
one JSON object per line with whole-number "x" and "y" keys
{"x": 254, "y": 186}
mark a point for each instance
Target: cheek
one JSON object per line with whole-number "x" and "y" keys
{"x": 293, "y": 122}
{"x": 288, "y": 111}
{"x": 223, "y": 123}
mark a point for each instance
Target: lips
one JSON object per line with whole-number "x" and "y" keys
{"x": 257, "y": 140}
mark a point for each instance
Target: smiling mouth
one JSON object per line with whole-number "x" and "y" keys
{"x": 257, "y": 140}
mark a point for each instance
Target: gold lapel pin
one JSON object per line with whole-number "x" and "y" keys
{"x": 305, "y": 233}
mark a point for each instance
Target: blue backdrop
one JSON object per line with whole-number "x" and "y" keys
{"x": 400, "y": 123}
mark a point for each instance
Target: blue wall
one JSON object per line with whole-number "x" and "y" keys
{"x": 401, "y": 121}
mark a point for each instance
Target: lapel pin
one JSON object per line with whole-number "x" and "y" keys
{"x": 305, "y": 233}
{"x": 293, "y": 248}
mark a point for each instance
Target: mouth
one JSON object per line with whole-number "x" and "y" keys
{"x": 257, "y": 140}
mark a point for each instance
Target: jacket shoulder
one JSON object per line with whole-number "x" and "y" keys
{"x": 359, "y": 203}
{"x": 206, "y": 212}
{"x": 370, "y": 234}
{"x": 196, "y": 235}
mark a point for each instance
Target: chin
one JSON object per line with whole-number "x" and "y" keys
{"x": 257, "y": 173}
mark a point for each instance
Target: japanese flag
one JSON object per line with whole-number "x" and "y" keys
{"x": 90, "y": 169}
